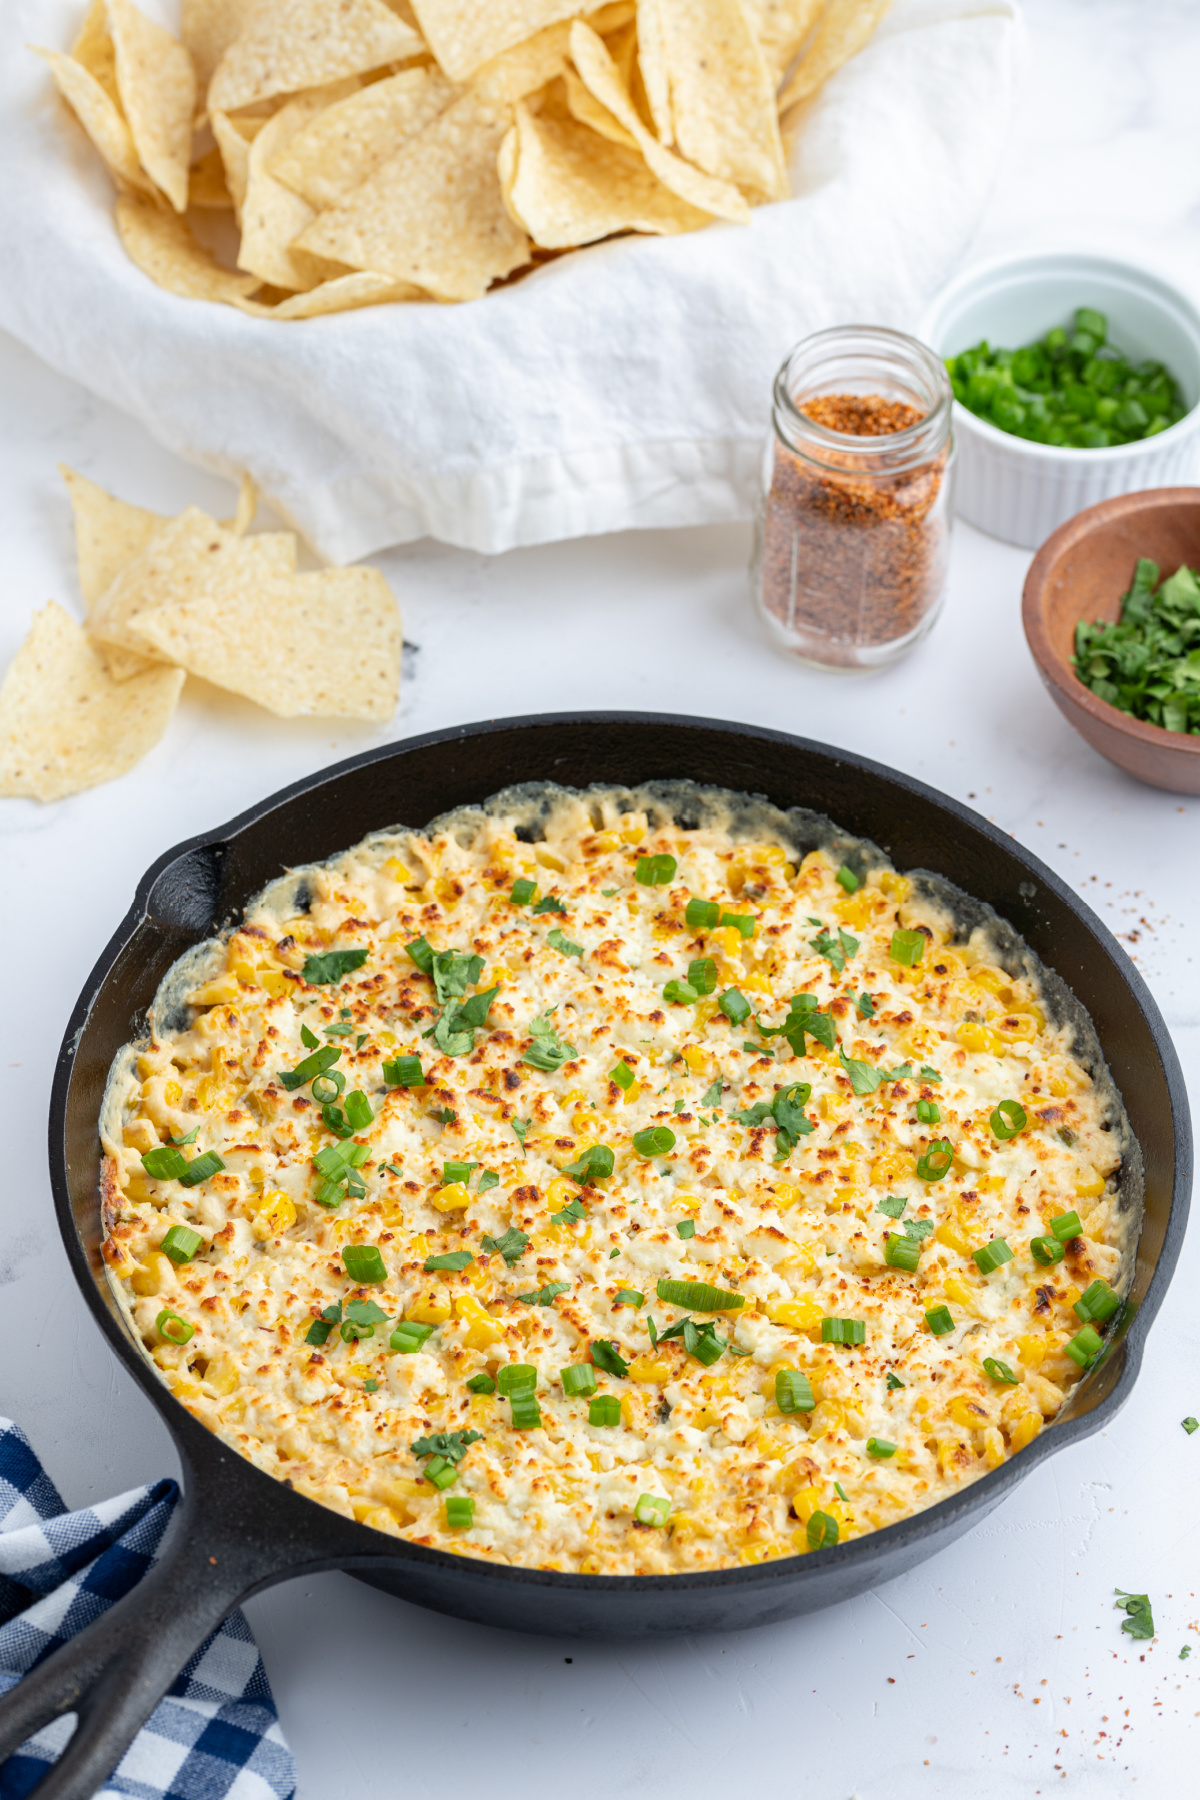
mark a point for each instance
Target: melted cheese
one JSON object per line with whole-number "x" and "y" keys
{"x": 790, "y": 1227}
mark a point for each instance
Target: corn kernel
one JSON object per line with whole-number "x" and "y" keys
{"x": 451, "y": 1198}
{"x": 972, "y": 1036}
{"x": 1089, "y": 1187}
{"x": 154, "y": 1275}
{"x": 787, "y": 1195}
{"x": 274, "y": 982}
{"x": 481, "y": 1333}
{"x": 215, "y": 993}
{"x": 1026, "y": 1429}
{"x": 967, "y": 1412}
{"x": 697, "y": 1060}
{"x": 274, "y": 1213}
{"x": 429, "y": 1311}
{"x": 1059, "y": 1088}
{"x": 952, "y": 1237}
{"x": 466, "y": 1306}
{"x": 957, "y": 1290}
{"x": 796, "y": 1315}
{"x": 896, "y": 887}
{"x": 172, "y": 1093}
{"x": 644, "y": 1368}
{"x": 560, "y": 1193}
{"x": 805, "y": 1503}
{"x": 761, "y": 1553}
{"x": 184, "y": 1387}
{"x": 727, "y": 940}
{"x": 828, "y": 1415}
{"x": 993, "y": 1447}
{"x": 221, "y": 1375}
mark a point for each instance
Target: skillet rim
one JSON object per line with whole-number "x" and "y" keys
{"x": 199, "y": 1449}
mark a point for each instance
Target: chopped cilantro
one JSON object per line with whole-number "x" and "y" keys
{"x": 544, "y": 1296}
{"x": 1140, "y": 1623}
{"x": 548, "y": 904}
{"x": 453, "y": 1261}
{"x": 329, "y": 966}
{"x": 547, "y": 1051}
{"x": 557, "y": 941}
{"x": 452, "y": 1445}
{"x": 510, "y": 1246}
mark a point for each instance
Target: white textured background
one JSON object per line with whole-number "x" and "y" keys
{"x": 997, "y": 1670}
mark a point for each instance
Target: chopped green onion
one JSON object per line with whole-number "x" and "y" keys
{"x": 1190, "y": 1425}
{"x": 181, "y": 1244}
{"x": 929, "y": 1112}
{"x": 460, "y": 1511}
{"x": 526, "y": 1413}
{"x": 1008, "y": 1119}
{"x": 326, "y": 1088}
{"x": 655, "y": 871}
{"x": 451, "y": 1263}
{"x": 939, "y": 1320}
{"x": 628, "y": 1297}
{"x": 359, "y": 1113}
{"x": 404, "y": 1071}
{"x": 481, "y": 1383}
{"x": 623, "y": 1075}
{"x": 1097, "y": 1302}
{"x": 1047, "y": 1250}
{"x": 516, "y": 1378}
{"x": 900, "y": 1251}
{"x": 174, "y": 1329}
{"x": 310, "y": 1067}
{"x": 698, "y": 1296}
{"x": 822, "y": 1531}
{"x": 702, "y": 974}
{"x": 847, "y": 879}
{"x": 522, "y": 892}
{"x": 702, "y": 915}
{"x": 164, "y": 1163}
{"x": 606, "y": 1356}
{"x": 457, "y": 1171}
{"x": 1000, "y": 1371}
{"x": 907, "y": 947}
{"x": 409, "y": 1337}
{"x": 686, "y": 1228}
{"x": 364, "y": 1263}
{"x": 937, "y": 1160}
{"x": 596, "y": 1163}
{"x": 743, "y": 922}
{"x": 605, "y": 1409}
{"x": 879, "y": 1447}
{"x": 843, "y": 1331}
{"x": 992, "y": 1255}
{"x": 656, "y": 1140}
{"x": 440, "y": 1472}
{"x": 651, "y": 1509}
{"x": 578, "y": 1380}
{"x": 1084, "y": 1345}
{"x": 793, "y": 1391}
{"x": 1066, "y": 1226}
{"x": 201, "y": 1168}
{"x": 737, "y": 1009}
{"x": 680, "y": 993}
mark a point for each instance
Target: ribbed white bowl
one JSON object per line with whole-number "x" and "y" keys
{"x": 1019, "y": 491}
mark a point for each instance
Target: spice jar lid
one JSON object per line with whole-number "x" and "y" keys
{"x": 869, "y": 360}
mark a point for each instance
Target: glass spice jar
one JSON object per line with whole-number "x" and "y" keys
{"x": 853, "y": 530}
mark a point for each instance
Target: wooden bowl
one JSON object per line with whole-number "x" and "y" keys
{"x": 1081, "y": 572}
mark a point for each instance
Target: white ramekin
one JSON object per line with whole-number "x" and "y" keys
{"x": 1020, "y": 491}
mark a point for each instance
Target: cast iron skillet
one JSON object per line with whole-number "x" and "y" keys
{"x": 239, "y": 1531}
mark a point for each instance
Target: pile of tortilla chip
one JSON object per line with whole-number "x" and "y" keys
{"x": 367, "y": 151}
{"x": 168, "y": 597}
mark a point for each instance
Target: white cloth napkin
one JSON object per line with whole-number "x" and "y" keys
{"x": 624, "y": 385}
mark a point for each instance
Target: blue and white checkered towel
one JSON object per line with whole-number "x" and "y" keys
{"x": 216, "y": 1735}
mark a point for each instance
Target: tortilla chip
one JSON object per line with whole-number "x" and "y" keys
{"x": 164, "y": 249}
{"x": 109, "y": 533}
{"x": 465, "y": 34}
{"x": 327, "y": 643}
{"x": 433, "y": 214}
{"x": 234, "y": 139}
{"x": 94, "y": 49}
{"x": 208, "y": 188}
{"x": 723, "y": 114}
{"x": 157, "y": 85}
{"x": 345, "y": 293}
{"x": 529, "y": 65}
{"x": 247, "y": 506}
{"x": 64, "y": 723}
{"x": 781, "y": 26}
{"x": 348, "y": 141}
{"x": 209, "y": 27}
{"x": 568, "y": 186}
{"x": 272, "y": 216}
{"x": 585, "y": 107}
{"x": 844, "y": 29}
{"x": 599, "y": 74}
{"x": 652, "y": 61}
{"x": 191, "y": 555}
{"x": 287, "y": 45}
{"x": 98, "y": 114}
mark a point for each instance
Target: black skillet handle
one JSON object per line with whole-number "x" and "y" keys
{"x": 114, "y": 1672}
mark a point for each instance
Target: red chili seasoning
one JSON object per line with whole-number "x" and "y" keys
{"x": 855, "y": 518}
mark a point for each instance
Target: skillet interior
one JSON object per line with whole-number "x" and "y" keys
{"x": 196, "y": 889}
